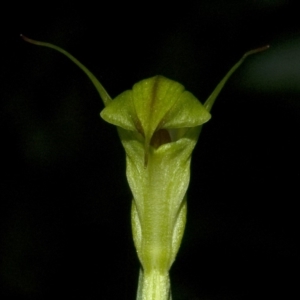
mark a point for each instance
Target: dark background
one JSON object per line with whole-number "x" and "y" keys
{"x": 65, "y": 204}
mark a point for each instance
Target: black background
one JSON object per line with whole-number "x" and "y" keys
{"x": 65, "y": 204}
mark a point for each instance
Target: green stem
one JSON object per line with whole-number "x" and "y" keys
{"x": 154, "y": 286}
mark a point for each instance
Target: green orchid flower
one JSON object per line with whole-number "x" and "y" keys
{"x": 159, "y": 123}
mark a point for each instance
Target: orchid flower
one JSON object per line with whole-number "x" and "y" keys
{"x": 159, "y": 123}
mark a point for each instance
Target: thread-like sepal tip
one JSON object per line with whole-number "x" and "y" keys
{"x": 257, "y": 50}
{"x": 28, "y": 40}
